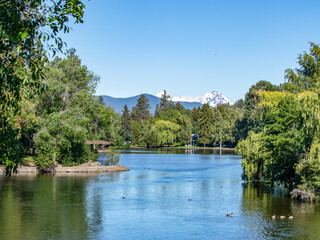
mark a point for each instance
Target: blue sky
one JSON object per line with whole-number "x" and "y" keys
{"x": 190, "y": 47}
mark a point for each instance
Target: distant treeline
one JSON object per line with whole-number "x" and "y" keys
{"x": 173, "y": 125}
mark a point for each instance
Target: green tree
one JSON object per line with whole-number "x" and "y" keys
{"x": 70, "y": 114}
{"x": 185, "y": 132}
{"x": 114, "y": 135}
{"x": 61, "y": 139}
{"x": 125, "y": 124}
{"x": 157, "y": 112}
{"x": 65, "y": 79}
{"x": 140, "y": 112}
{"x": 166, "y": 102}
{"x": 224, "y": 124}
{"x": 27, "y": 28}
{"x": 307, "y": 76}
{"x": 195, "y": 119}
{"x": 284, "y": 140}
{"x": 206, "y": 125}
{"x": 251, "y": 120}
{"x": 254, "y": 152}
{"x": 136, "y": 132}
{"x": 180, "y": 107}
{"x": 163, "y": 133}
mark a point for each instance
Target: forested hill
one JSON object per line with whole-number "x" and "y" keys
{"x": 118, "y": 103}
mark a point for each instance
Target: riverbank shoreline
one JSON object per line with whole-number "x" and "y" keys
{"x": 178, "y": 148}
{"x": 89, "y": 167}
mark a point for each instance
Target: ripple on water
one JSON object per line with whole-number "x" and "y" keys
{"x": 153, "y": 203}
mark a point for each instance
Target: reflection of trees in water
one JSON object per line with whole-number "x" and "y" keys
{"x": 42, "y": 207}
{"x": 93, "y": 205}
{"x": 261, "y": 201}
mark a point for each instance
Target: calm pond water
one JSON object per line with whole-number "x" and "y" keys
{"x": 151, "y": 202}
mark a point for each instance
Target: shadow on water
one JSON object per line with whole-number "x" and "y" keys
{"x": 41, "y": 207}
{"x": 261, "y": 201}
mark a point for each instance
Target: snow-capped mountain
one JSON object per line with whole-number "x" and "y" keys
{"x": 213, "y": 98}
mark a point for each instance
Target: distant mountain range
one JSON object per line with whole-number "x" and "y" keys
{"x": 213, "y": 99}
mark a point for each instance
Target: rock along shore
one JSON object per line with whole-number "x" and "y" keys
{"x": 89, "y": 167}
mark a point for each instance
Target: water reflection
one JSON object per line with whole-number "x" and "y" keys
{"x": 261, "y": 201}
{"x": 35, "y": 207}
{"x": 164, "y": 196}
{"x": 207, "y": 151}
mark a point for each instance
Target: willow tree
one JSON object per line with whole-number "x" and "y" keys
{"x": 281, "y": 140}
{"x": 308, "y": 169}
{"x": 163, "y": 133}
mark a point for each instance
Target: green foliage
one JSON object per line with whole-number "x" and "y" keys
{"x": 253, "y": 113}
{"x": 185, "y": 132}
{"x": 169, "y": 114}
{"x": 224, "y": 122}
{"x": 11, "y": 148}
{"x": 206, "y": 125}
{"x": 307, "y": 76}
{"x": 29, "y": 161}
{"x": 126, "y": 132}
{"x": 195, "y": 119}
{"x": 309, "y": 171}
{"x": 157, "y": 112}
{"x": 163, "y": 133}
{"x": 254, "y": 152}
{"x": 112, "y": 157}
{"x": 66, "y": 115}
{"x": 27, "y": 29}
{"x": 285, "y": 147}
{"x": 140, "y": 112}
{"x": 281, "y": 139}
{"x": 62, "y": 140}
{"x": 114, "y": 132}
{"x": 136, "y": 132}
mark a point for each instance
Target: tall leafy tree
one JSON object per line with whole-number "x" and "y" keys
{"x": 163, "y": 133}
{"x": 307, "y": 76}
{"x": 136, "y": 127}
{"x": 65, "y": 80}
{"x": 224, "y": 124}
{"x": 252, "y": 113}
{"x": 286, "y": 149}
{"x": 70, "y": 114}
{"x": 195, "y": 119}
{"x": 27, "y": 29}
{"x": 206, "y": 125}
{"x": 114, "y": 135}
